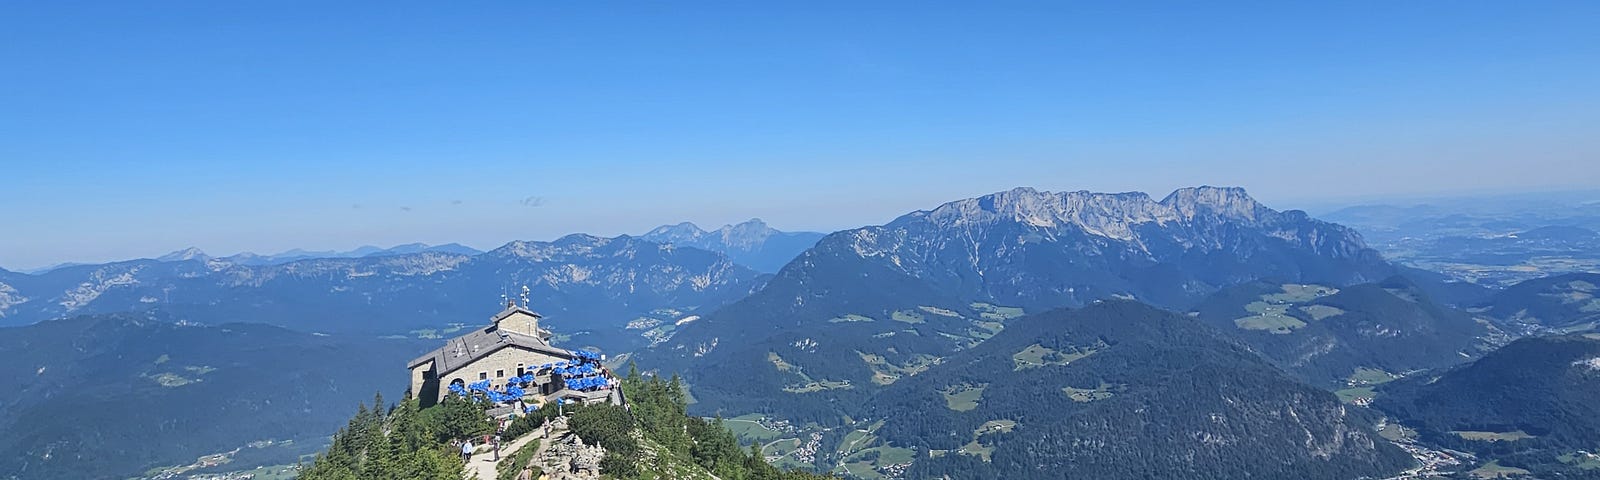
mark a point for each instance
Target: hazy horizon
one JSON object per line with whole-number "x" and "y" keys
{"x": 346, "y": 245}
{"x": 135, "y": 131}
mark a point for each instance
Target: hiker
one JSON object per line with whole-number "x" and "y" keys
{"x": 466, "y": 451}
{"x": 496, "y": 441}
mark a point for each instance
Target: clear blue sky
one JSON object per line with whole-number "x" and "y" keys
{"x": 130, "y": 129}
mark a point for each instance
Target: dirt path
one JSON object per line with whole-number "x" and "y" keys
{"x": 482, "y": 465}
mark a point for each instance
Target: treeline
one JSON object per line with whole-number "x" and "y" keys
{"x": 658, "y": 410}
{"x": 404, "y": 441}
{"x": 401, "y": 441}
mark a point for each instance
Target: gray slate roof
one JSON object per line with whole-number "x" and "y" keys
{"x": 479, "y": 343}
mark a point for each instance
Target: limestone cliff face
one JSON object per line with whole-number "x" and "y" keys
{"x": 927, "y": 284}
{"x": 1025, "y": 246}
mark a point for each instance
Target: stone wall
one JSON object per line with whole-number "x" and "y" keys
{"x": 521, "y": 323}
{"x": 419, "y": 377}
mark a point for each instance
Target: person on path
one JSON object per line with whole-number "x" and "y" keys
{"x": 496, "y": 441}
{"x": 466, "y": 451}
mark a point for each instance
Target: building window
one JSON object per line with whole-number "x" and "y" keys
{"x": 499, "y": 374}
{"x": 483, "y": 375}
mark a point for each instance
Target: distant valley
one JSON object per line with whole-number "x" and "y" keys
{"x": 108, "y": 396}
{"x": 1495, "y": 240}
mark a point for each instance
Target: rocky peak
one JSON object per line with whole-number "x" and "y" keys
{"x": 746, "y": 235}
{"x": 1226, "y": 202}
{"x": 190, "y": 253}
{"x": 751, "y": 225}
{"x": 577, "y": 245}
{"x": 681, "y": 232}
{"x": 407, "y": 248}
{"x": 1106, "y": 214}
{"x": 584, "y": 239}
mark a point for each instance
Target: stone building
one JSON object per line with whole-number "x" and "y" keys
{"x": 510, "y": 346}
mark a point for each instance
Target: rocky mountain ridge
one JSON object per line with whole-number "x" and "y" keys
{"x": 935, "y": 282}
{"x": 593, "y": 282}
{"x": 751, "y": 242}
{"x": 1188, "y": 219}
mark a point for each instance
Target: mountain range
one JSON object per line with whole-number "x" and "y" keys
{"x": 252, "y": 259}
{"x": 1013, "y": 335}
{"x": 582, "y": 283}
{"x": 752, "y": 243}
{"x": 935, "y": 282}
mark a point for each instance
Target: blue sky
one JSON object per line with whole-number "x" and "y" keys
{"x": 128, "y": 130}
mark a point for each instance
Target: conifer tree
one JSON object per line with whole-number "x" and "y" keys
{"x": 384, "y": 444}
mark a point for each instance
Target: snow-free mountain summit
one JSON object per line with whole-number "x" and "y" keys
{"x": 937, "y": 281}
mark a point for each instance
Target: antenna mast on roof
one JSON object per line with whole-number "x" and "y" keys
{"x": 525, "y": 297}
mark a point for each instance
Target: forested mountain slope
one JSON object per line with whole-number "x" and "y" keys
{"x": 1122, "y": 390}
{"x": 1324, "y": 334}
{"x": 871, "y": 305}
{"x": 1561, "y": 301}
{"x": 111, "y": 395}
{"x": 1534, "y": 404}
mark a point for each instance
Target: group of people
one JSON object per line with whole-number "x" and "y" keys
{"x": 467, "y": 448}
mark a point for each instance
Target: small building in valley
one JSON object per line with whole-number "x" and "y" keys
{"x": 511, "y": 361}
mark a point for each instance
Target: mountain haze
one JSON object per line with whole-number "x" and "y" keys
{"x": 752, "y": 243}
{"x": 105, "y": 396}
{"x": 1559, "y": 301}
{"x": 581, "y": 282}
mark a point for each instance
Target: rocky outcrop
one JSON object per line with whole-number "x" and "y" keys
{"x": 568, "y": 458}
